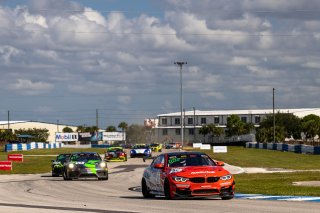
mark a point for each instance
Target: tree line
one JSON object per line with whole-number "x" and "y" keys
{"x": 287, "y": 125}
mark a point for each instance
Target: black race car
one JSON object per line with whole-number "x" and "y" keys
{"x": 58, "y": 164}
{"x": 85, "y": 165}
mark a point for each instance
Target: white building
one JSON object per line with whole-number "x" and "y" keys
{"x": 51, "y": 127}
{"x": 167, "y": 127}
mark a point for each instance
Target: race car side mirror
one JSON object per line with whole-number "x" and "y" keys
{"x": 220, "y": 163}
{"x": 159, "y": 166}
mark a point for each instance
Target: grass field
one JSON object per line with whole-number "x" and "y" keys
{"x": 275, "y": 183}
{"x": 271, "y": 184}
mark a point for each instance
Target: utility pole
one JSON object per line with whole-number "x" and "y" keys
{"x": 97, "y": 119}
{"x": 180, "y": 64}
{"x": 184, "y": 123}
{"x": 8, "y": 119}
{"x": 194, "y": 124}
{"x": 57, "y": 125}
{"x": 274, "y": 118}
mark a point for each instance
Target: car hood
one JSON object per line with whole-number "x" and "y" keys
{"x": 139, "y": 150}
{"x": 196, "y": 171}
{"x": 88, "y": 164}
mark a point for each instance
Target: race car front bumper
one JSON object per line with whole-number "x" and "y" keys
{"x": 203, "y": 190}
{"x": 87, "y": 173}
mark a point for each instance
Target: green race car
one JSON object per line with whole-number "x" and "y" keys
{"x": 85, "y": 165}
{"x": 58, "y": 164}
{"x": 115, "y": 154}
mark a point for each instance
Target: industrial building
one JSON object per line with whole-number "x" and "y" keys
{"x": 167, "y": 127}
{"x": 51, "y": 127}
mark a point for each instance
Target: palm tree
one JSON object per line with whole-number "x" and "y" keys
{"x": 215, "y": 131}
{"x": 204, "y": 130}
{"x": 111, "y": 129}
{"x": 80, "y": 129}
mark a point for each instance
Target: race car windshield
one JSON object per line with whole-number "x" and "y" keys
{"x": 154, "y": 145}
{"x": 85, "y": 157}
{"x": 189, "y": 160}
{"x": 141, "y": 147}
{"x": 62, "y": 158}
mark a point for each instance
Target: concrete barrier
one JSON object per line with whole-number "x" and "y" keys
{"x": 305, "y": 149}
{"x": 32, "y": 145}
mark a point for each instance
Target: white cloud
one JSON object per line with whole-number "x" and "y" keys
{"x": 27, "y": 87}
{"x": 124, "y": 99}
{"x": 236, "y": 51}
{"x": 242, "y": 61}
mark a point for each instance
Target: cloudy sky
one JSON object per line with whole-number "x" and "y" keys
{"x": 63, "y": 60}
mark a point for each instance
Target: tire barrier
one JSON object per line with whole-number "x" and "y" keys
{"x": 32, "y": 145}
{"x": 100, "y": 146}
{"x": 302, "y": 149}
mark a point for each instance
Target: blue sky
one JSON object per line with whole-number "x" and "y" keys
{"x": 62, "y": 60}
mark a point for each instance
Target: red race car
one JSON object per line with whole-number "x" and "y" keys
{"x": 187, "y": 174}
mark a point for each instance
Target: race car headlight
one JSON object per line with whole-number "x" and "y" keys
{"x": 180, "y": 179}
{"x": 71, "y": 166}
{"x": 103, "y": 164}
{"x": 226, "y": 177}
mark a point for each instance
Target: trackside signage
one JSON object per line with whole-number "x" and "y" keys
{"x": 15, "y": 157}
{"x": 60, "y": 137}
{"x": 114, "y": 136}
{"x": 6, "y": 165}
{"x": 220, "y": 149}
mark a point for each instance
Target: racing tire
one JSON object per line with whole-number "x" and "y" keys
{"x": 167, "y": 190}
{"x": 66, "y": 176}
{"x": 145, "y": 190}
{"x": 227, "y": 197}
{"x": 104, "y": 178}
{"x": 54, "y": 174}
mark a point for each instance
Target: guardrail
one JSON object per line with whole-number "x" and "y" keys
{"x": 304, "y": 149}
{"x": 32, "y": 145}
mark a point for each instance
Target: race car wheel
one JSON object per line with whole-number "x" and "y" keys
{"x": 55, "y": 175}
{"x": 104, "y": 178}
{"x": 227, "y": 197}
{"x": 145, "y": 190}
{"x": 66, "y": 176}
{"x": 167, "y": 190}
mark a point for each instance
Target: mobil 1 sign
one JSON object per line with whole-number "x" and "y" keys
{"x": 61, "y": 137}
{"x": 220, "y": 149}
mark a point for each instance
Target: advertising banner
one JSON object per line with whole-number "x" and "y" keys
{"x": 114, "y": 136}
{"x": 6, "y": 165}
{"x": 61, "y": 137}
{"x": 15, "y": 157}
{"x": 220, "y": 149}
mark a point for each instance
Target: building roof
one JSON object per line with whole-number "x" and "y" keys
{"x": 11, "y": 122}
{"x": 302, "y": 112}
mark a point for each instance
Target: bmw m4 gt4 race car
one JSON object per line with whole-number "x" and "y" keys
{"x": 85, "y": 165}
{"x": 115, "y": 154}
{"x": 187, "y": 174}
{"x": 57, "y": 165}
{"x": 141, "y": 150}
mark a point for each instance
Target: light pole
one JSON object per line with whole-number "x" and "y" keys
{"x": 180, "y": 64}
{"x": 274, "y": 119}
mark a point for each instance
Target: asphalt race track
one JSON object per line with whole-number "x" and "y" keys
{"x": 43, "y": 193}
